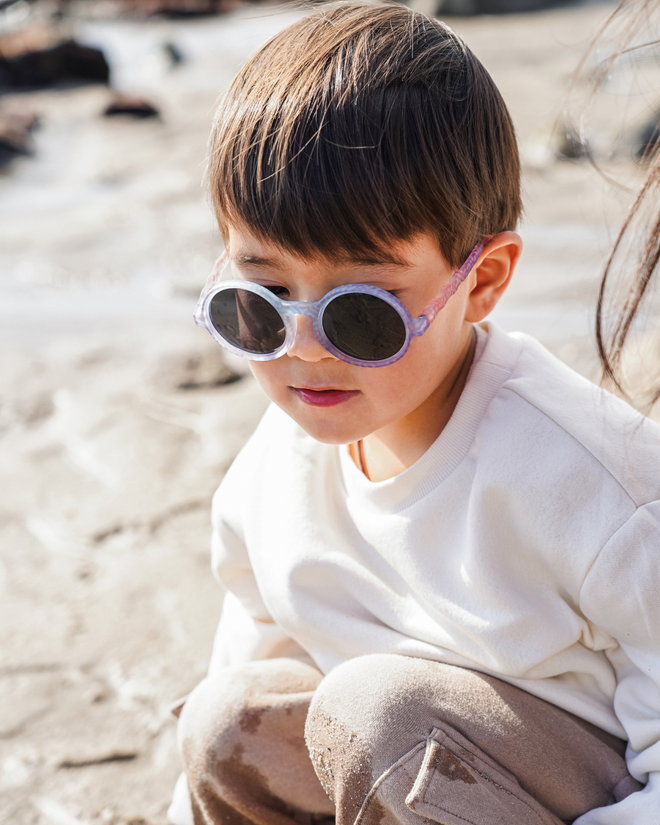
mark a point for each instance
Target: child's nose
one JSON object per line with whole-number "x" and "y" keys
{"x": 306, "y": 345}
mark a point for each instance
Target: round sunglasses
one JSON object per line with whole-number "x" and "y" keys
{"x": 363, "y": 325}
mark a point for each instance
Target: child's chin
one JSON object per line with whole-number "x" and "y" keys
{"x": 326, "y": 436}
{"x": 327, "y": 432}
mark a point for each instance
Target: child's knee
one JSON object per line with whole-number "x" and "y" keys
{"x": 225, "y": 711}
{"x": 354, "y": 723}
{"x": 371, "y": 710}
{"x": 373, "y": 695}
{"x": 208, "y": 724}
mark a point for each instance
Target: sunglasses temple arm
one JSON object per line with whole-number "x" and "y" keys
{"x": 211, "y": 281}
{"x": 439, "y": 302}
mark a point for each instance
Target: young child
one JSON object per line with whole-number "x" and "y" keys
{"x": 441, "y": 545}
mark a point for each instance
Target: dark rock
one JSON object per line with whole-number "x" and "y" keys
{"x": 173, "y": 53}
{"x": 569, "y": 144}
{"x": 130, "y": 105}
{"x": 16, "y": 135}
{"x": 182, "y": 9}
{"x": 212, "y": 7}
{"x": 468, "y": 8}
{"x": 68, "y": 62}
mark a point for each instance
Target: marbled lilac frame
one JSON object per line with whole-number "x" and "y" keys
{"x": 314, "y": 310}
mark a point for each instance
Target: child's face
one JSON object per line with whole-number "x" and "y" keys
{"x": 336, "y": 402}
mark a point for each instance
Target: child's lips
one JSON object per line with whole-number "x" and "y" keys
{"x": 323, "y": 396}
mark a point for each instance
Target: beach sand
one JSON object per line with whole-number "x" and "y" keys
{"x": 118, "y": 418}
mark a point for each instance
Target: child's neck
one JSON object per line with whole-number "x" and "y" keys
{"x": 388, "y": 452}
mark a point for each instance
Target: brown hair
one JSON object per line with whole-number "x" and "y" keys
{"x": 635, "y": 256}
{"x": 362, "y": 125}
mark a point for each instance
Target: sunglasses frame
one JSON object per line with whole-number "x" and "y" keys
{"x": 288, "y": 310}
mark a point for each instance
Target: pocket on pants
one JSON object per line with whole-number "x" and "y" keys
{"x": 459, "y": 784}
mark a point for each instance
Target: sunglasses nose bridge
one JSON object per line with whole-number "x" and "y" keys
{"x": 306, "y": 343}
{"x": 311, "y": 310}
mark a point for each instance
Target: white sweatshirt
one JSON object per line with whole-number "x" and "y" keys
{"x": 524, "y": 544}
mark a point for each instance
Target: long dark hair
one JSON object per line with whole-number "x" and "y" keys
{"x": 639, "y": 260}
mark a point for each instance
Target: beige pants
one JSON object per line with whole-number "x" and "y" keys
{"x": 389, "y": 740}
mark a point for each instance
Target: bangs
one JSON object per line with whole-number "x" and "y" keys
{"x": 361, "y": 126}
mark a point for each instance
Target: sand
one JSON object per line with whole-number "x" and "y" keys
{"x": 118, "y": 418}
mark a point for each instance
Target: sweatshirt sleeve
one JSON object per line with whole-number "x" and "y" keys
{"x": 621, "y": 594}
{"x": 246, "y": 631}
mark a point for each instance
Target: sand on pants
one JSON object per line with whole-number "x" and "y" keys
{"x": 118, "y": 418}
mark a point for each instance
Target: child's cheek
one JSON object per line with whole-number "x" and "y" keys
{"x": 266, "y": 375}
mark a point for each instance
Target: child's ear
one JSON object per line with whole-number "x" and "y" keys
{"x": 493, "y": 273}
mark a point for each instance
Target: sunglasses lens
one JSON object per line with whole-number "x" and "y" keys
{"x": 364, "y": 326}
{"x": 247, "y": 320}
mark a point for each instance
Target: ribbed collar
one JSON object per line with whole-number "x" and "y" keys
{"x": 489, "y": 371}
